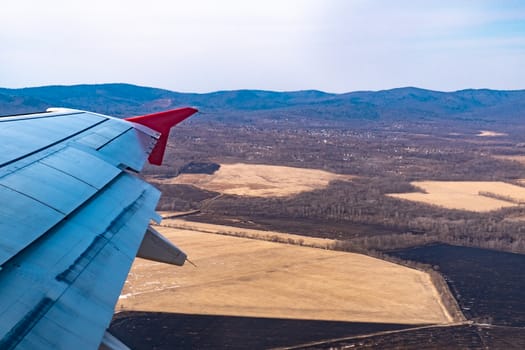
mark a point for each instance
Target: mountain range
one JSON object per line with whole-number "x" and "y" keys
{"x": 406, "y": 103}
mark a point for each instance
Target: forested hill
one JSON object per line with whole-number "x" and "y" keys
{"x": 255, "y": 105}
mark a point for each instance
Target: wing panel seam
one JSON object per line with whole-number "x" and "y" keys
{"x": 34, "y": 199}
{"x": 53, "y": 144}
{"x": 57, "y": 224}
{"x": 66, "y": 173}
{"x": 114, "y": 138}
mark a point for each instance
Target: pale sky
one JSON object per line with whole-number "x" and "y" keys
{"x": 209, "y": 45}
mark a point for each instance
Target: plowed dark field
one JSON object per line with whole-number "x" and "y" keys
{"x": 157, "y": 330}
{"x": 488, "y": 285}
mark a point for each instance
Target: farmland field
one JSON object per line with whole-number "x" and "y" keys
{"x": 246, "y": 277}
{"x": 478, "y": 196}
{"x": 258, "y": 180}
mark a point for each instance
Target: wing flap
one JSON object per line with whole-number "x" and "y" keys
{"x": 88, "y": 262}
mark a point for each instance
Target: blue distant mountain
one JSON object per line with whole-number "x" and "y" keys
{"x": 241, "y": 105}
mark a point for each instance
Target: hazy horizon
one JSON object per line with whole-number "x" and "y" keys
{"x": 254, "y": 89}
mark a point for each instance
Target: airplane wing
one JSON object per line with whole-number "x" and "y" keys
{"x": 73, "y": 216}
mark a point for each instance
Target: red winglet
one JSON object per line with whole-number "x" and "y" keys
{"x": 162, "y": 122}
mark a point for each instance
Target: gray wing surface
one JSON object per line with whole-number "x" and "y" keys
{"x": 72, "y": 218}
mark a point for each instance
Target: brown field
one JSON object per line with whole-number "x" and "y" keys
{"x": 479, "y": 196}
{"x": 246, "y": 277}
{"x": 258, "y": 180}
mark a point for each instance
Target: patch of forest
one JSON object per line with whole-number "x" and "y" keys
{"x": 386, "y": 157}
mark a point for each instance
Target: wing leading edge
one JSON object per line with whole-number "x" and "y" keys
{"x": 75, "y": 220}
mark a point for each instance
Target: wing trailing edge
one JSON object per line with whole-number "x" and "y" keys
{"x": 162, "y": 122}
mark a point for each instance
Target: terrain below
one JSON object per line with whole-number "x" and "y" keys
{"x": 246, "y": 277}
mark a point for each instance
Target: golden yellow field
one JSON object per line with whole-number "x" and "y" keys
{"x": 488, "y": 133}
{"x": 479, "y": 196}
{"x": 247, "y": 277}
{"x": 258, "y": 180}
